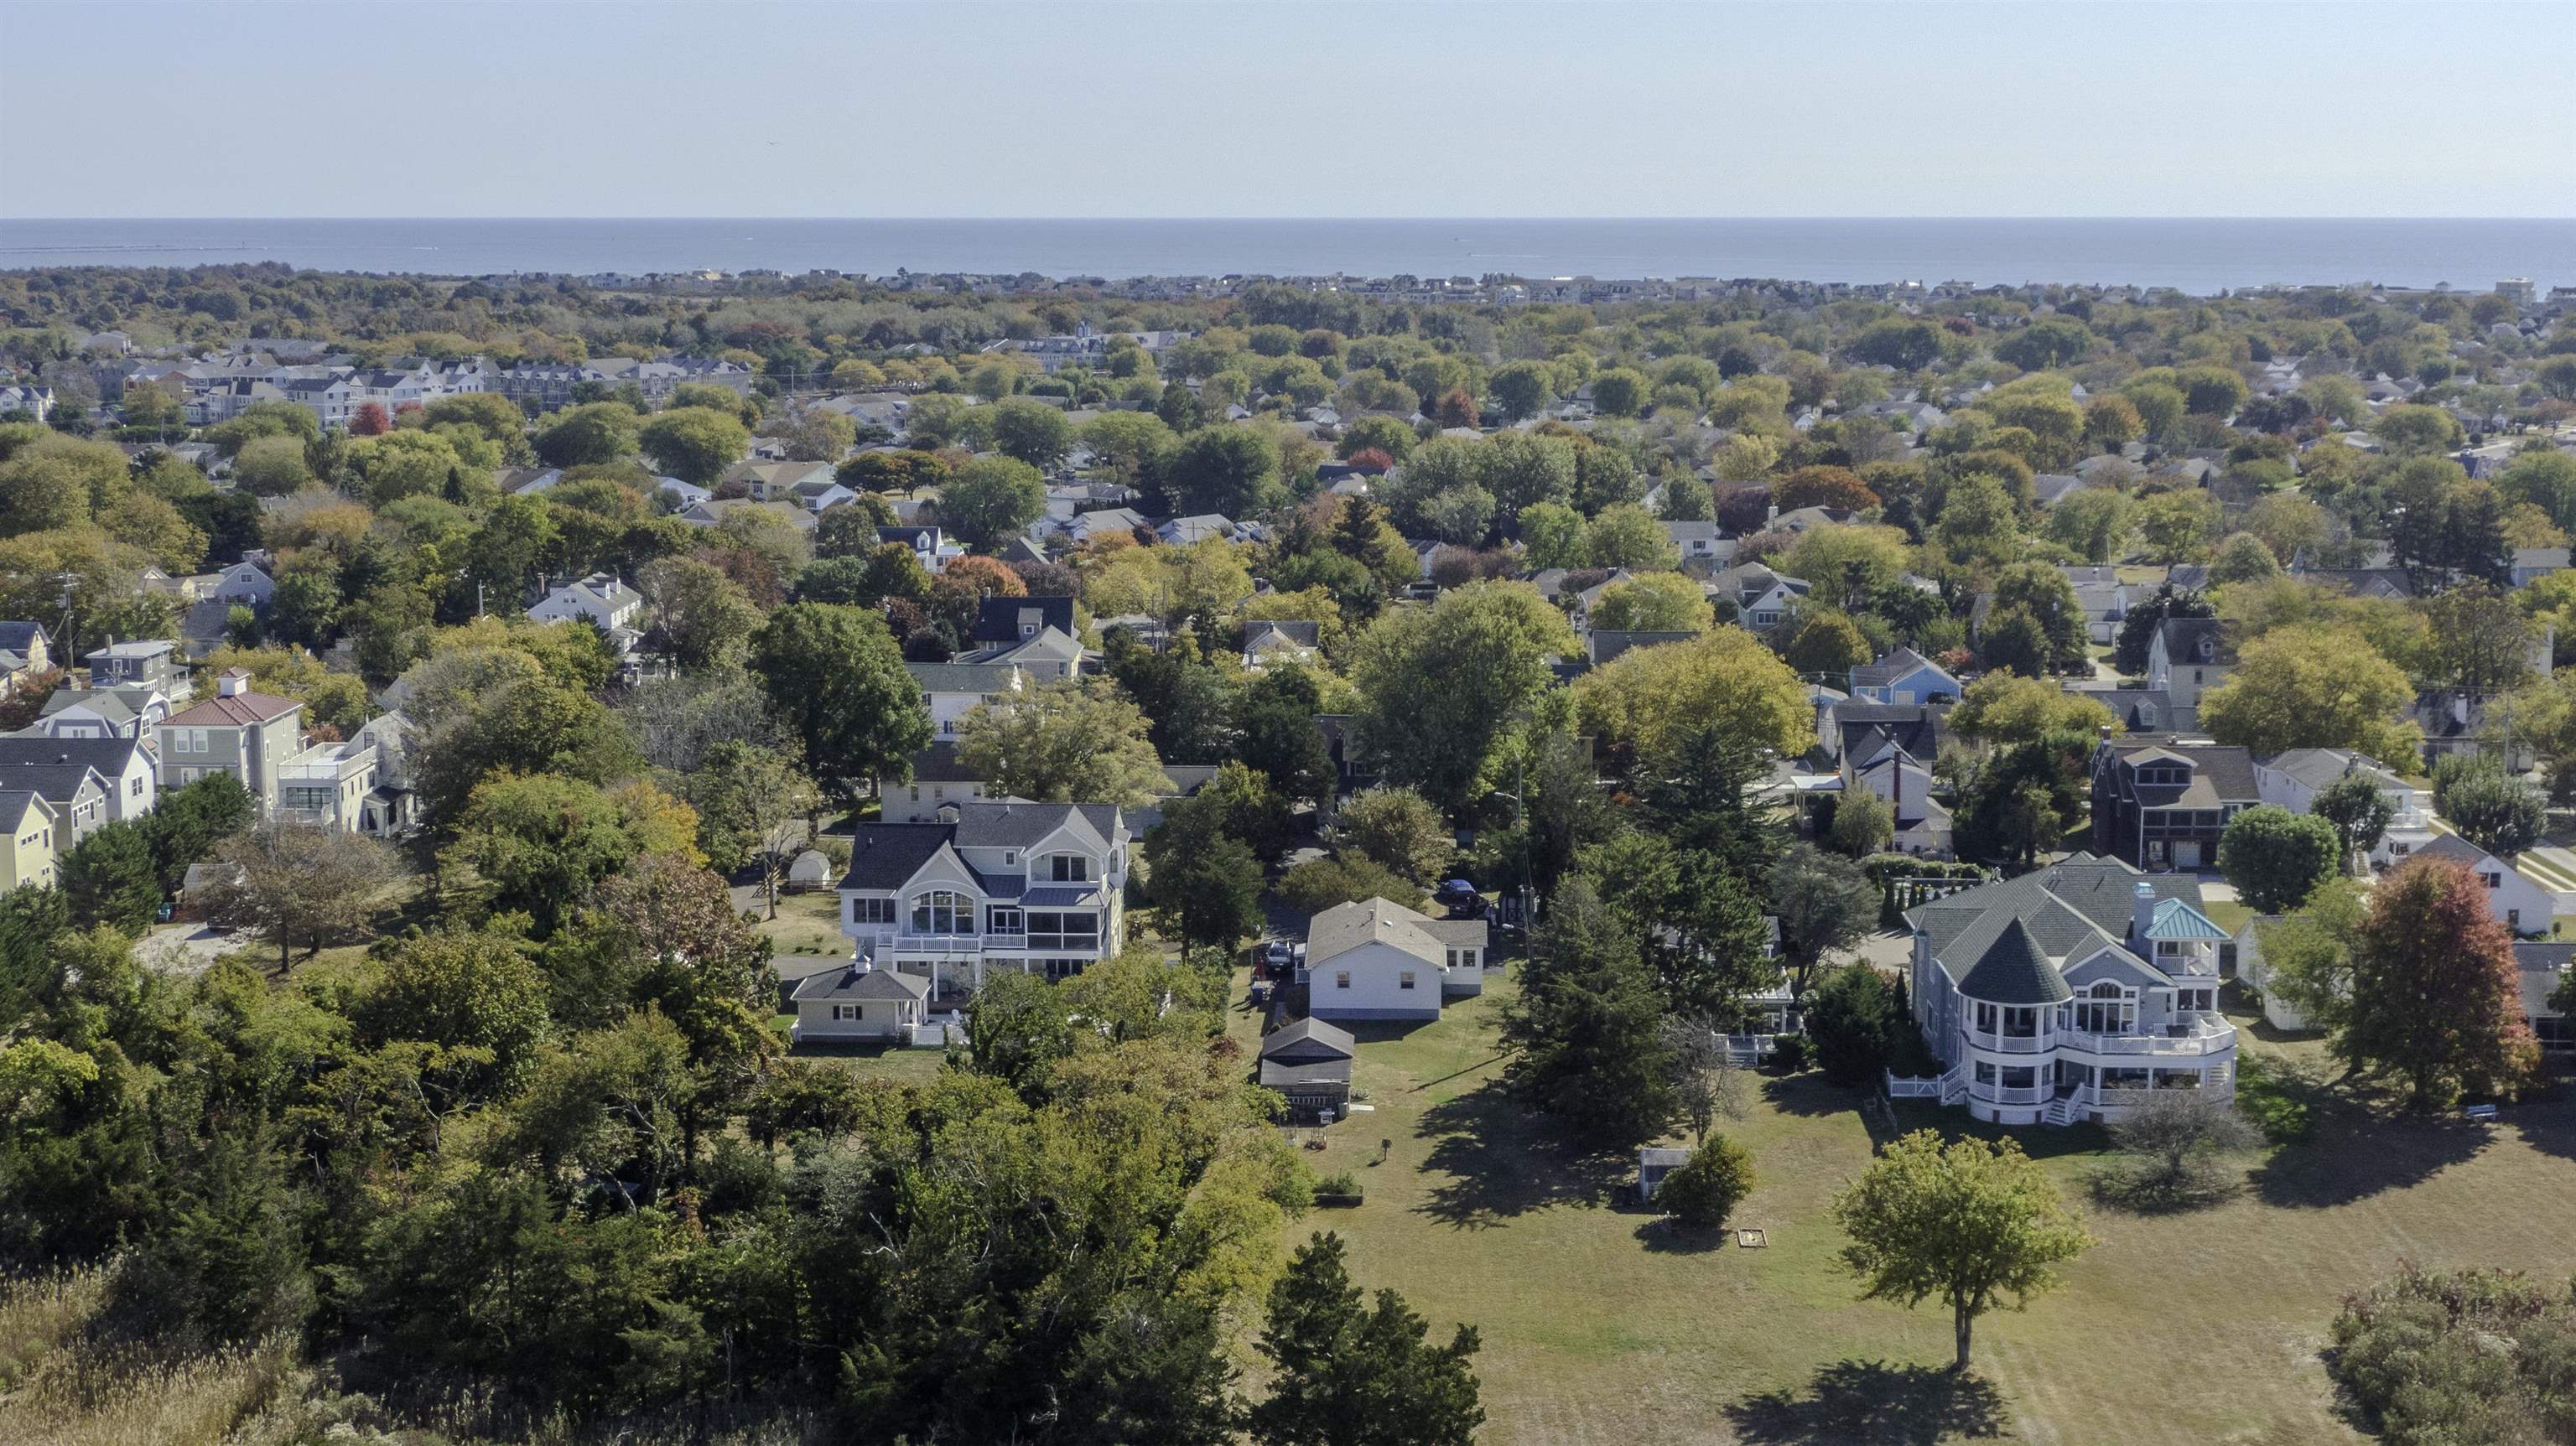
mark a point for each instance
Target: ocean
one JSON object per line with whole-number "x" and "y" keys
{"x": 2202, "y": 256}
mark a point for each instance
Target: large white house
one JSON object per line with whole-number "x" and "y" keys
{"x": 2294, "y": 778}
{"x": 598, "y": 598}
{"x": 1375, "y": 959}
{"x": 2069, "y": 993}
{"x": 2517, "y": 902}
{"x": 1033, "y": 887}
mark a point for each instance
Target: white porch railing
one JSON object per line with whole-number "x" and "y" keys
{"x": 2011, "y": 1043}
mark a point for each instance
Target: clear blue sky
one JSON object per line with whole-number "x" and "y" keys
{"x": 542, "y": 108}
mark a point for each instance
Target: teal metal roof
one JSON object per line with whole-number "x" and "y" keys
{"x": 2175, "y": 919}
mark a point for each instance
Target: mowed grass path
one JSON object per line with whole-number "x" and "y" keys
{"x": 2194, "y": 1328}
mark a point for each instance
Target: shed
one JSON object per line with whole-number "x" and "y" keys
{"x": 1654, "y": 1162}
{"x": 810, "y": 869}
{"x": 1310, "y": 1063}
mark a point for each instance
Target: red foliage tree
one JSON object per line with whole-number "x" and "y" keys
{"x": 1744, "y": 510}
{"x": 1837, "y": 487}
{"x": 1457, "y": 409}
{"x": 368, "y": 419}
{"x": 2436, "y": 994}
{"x": 1370, "y": 460}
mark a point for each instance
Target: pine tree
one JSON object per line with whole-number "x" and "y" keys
{"x": 1586, "y": 1033}
{"x": 1351, "y": 1374}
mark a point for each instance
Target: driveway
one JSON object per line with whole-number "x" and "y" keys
{"x": 187, "y": 950}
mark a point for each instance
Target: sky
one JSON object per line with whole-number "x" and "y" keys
{"x": 1233, "y": 108}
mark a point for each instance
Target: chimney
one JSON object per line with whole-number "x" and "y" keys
{"x": 231, "y": 684}
{"x": 2143, "y": 913}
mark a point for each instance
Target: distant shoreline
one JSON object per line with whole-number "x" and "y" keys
{"x": 2201, "y": 256}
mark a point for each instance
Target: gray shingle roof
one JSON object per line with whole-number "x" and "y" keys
{"x": 887, "y": 855}
{"x": 2013, "y": 970}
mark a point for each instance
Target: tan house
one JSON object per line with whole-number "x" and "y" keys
{"x": 27, "y": 826}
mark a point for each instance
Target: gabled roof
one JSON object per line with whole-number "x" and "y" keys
{"x": 2452, "y": 846}
{"x": 1344, "y": 927}
{"x": 887, "y": 855}
{"x": 110, "y": 756}
{"x": 1895, "y": 665}
{"x": 1309, "y": 1037}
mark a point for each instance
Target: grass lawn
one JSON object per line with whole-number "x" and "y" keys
{"x": 808, "y": 923}
{"x": 1601, "y": 1326}
{"x": 2228, "y": 914}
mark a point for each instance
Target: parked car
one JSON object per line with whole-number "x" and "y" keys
{"x": 1276, "y": 956}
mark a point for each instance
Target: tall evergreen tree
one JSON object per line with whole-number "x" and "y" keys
{"x": 1352, "y": 1374}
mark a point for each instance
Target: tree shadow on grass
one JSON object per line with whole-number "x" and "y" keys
{"x": 1664, "y": 1235}
{"x": 1810, "y": 1094}
{"x": 1503, "y": 1163}
{"x": 1871, "y": 1403}
{"x": 2549, "y": 1125}
{"x": 2356, "y": 1148}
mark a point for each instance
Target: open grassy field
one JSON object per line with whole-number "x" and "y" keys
{"x": 1600, "y": 1326}
{"x": 808, "y": 923}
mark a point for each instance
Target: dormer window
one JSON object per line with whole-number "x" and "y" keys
{"x": 1070, "y": 869}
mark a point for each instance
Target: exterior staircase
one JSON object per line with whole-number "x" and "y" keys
{"x": 2060, "y": 1111}
{"x": 1954, "y": 1086}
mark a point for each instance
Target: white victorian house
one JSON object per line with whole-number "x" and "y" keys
{"x": 2069, "y": 993}
{"x": 1032, "y": 887}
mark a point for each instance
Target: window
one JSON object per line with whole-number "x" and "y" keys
{"x": 1341, "y": 979}
{"x": 942, "y": 912}
{"x": 1986, "y": 1018}
{"x": 1003, "y": 921}
{"x": 2106, "y": 1008}
{"x": 1404, "y": 980}
{"x": 2491, "y": 878}
{"x": 1069, "y": 869}
{"x": 871, "y": 911}
{"x": 1010, "y": 856}
{"x": 1985, "y": 1073}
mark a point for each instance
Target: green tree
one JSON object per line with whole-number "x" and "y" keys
{"x": 1398, "y": 828}
{"x": 1823, "y": 903}
{"x": 1348, "y": 1374}
{"x": 1228, "y": 470}
{"x": 1853, "y": 1022}
{"x": 1619, "y": 392}
{"x": 2498, "y": 814}
{"x": 2311, "y": 687}
{"x": 1077, "y": 740}
{"x": 109, "y": 878}
{"x": 1652, "y": 602}
{"x": 1971, "y": 1224}
{"x": 2359, "y": 812}
{"x": 1206, "y": 879}
{"x": 991, "y": 499}
{"x": 192, "y": 819}
{"x": 1585, "y": 1037}
{"x": 703, "y": 618}
{"x": 1031, "y": 431}
{"x": 1863, "y": 824}
{"x": 462, "y": 991}
{"x": 1551, "y": 536}
{"x": 695, "y": 444}
{"x": 541, "y": 843}
{"x": 1626, "y": 535}
{"x": 589, "y": 436}
{"x": 752, "y": 804}
{"x": 1439, "y": 688}
{"x": 835, "y": 676}
{"x": 1703, "y": 1191}
{"x": 2276, "y": 859}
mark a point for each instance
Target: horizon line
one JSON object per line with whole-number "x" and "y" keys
{"x": 1564, "y": 220}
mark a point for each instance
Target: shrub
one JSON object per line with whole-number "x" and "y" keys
{"x": 1852, "y": 1023}
{"x": 2474, "y": 1355}
{"x": 1705, "y": 1189}
{"x": 1789, "y": 1052}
